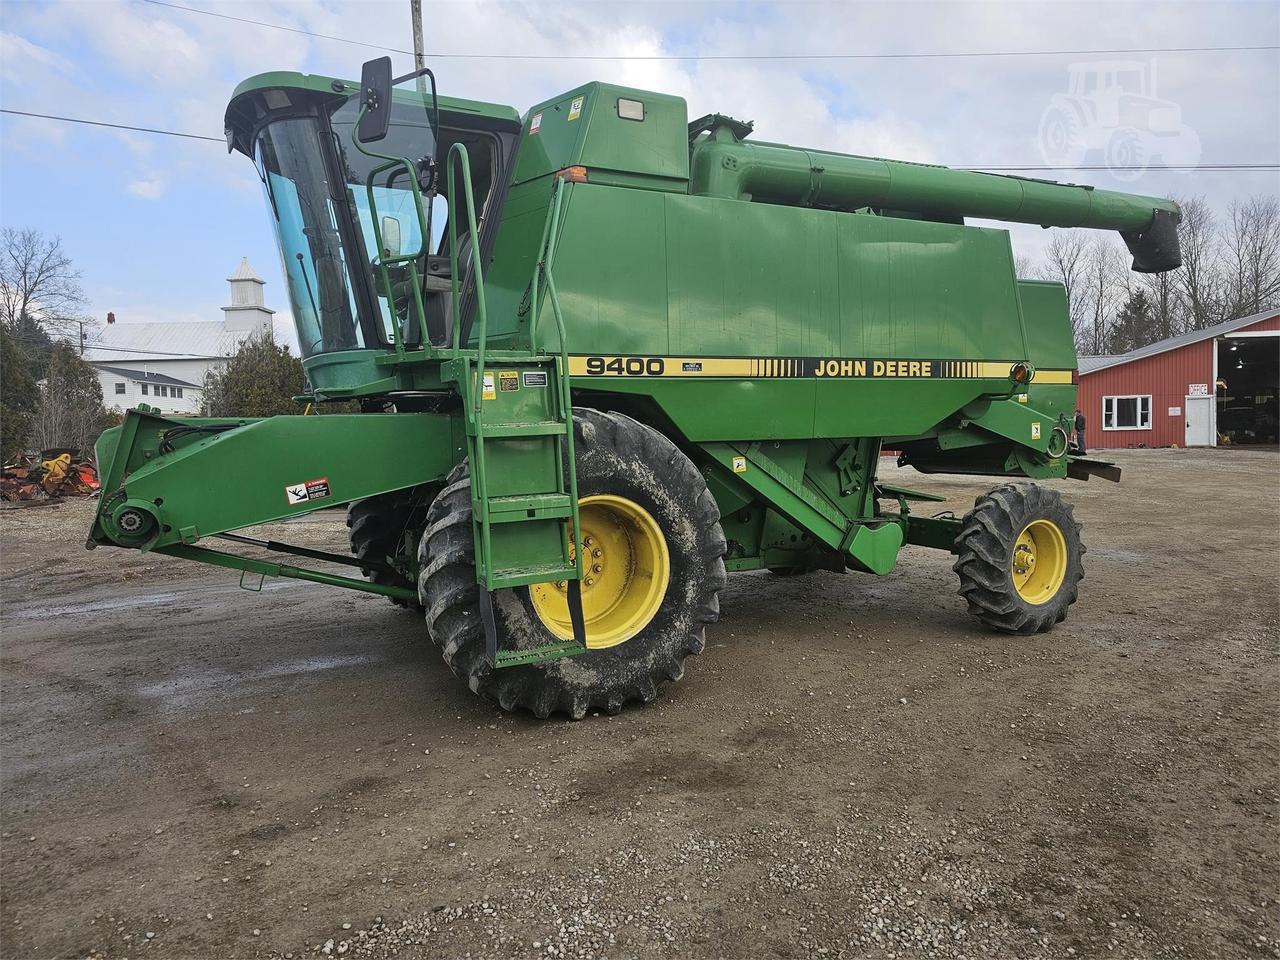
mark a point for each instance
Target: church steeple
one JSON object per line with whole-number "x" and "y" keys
{"x": 247, "y": 310}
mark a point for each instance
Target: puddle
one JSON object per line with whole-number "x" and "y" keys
{"x": 97, "y": 606}
{"x": 184, "y": 690}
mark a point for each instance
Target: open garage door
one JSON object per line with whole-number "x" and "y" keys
{"x": 1248, "y": 389}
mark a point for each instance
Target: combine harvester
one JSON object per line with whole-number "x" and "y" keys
{"x": 605, "y": 356}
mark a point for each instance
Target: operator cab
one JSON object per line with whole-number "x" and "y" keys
{"x": 334, "y": 203}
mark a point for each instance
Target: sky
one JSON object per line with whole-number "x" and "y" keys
{"x": 157, "y": 223}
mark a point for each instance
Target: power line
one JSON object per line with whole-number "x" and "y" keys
{"x": 679, "y": 57}
{"x": 1028, "y": 168}
{"x": 114, "y": 126}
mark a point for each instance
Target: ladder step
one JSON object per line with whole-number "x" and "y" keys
{"x": 540, "y": 428}
{"x": 501, "y": 579}
{"x": 537, "y": 506}
{"x": 539, "y": 654}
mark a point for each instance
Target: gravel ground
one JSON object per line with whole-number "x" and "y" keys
{"x": 853, "y": 768}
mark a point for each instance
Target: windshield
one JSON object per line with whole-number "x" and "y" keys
{"x": 324, "y": 223}
{"x": 317, "y": 246}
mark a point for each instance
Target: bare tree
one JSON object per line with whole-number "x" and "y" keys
{"x": 1065, "y": 260}
{"x": 38, "y": 282}
{"x": 1251, "y": 243}
{"x": 1200, "y": 277}
{"x": 69, "y": 412}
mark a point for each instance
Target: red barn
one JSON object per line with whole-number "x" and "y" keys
{"x": 1200, "y": 389}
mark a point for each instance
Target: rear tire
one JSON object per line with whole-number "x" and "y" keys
{"x": 377, "y": 525}
{"x": 1019, "y": 558}
{"x": 616, "y": 456}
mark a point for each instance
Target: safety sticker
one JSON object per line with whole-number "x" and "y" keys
{"x": 739, "y": 464}
{"x": 536, "y": 123}
{"x": 508, "y": 380}
{"x": 307, "y": 490}
{"x": 1035, "y": 430}
{"x": 575, "y": 108}
{"x": 489, "y": 393}
{"x": 535, "y": 378}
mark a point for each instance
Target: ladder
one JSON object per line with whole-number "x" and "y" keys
{"x": 519, "y": 432}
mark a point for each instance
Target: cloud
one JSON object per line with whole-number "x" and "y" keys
{"x": 152, "y": 189}
{"x": 136, "y": 63}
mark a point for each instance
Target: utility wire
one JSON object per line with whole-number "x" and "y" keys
{"x": 114, "y": 126}
{"x": 767, "y": 56}
{"x": 1031, "y": 168}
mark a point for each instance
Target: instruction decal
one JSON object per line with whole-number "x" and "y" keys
{"x": 307, "y": 490}
{"x": 536, "y": 123}
{"x": 739, "y": 464}
{"x": 489, "y": 393}
{"x": 508, "y": 381}
{"x": 535, "y": 378}
{"x": 575, "y": 108}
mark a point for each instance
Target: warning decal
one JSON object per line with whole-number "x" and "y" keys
{"x": 536, "y": 123}
{"x": 508, "y": 380}
{"x": 575, "y": 108}
{"x": 307, "y": 490}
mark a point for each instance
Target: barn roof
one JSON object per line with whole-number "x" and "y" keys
{"x": 175, "y": 340}
{"x": 1094, "y": 364}
{"x": 142, "y": 376}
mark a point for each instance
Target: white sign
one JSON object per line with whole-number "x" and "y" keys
{"x": 1197, "y": 390}
{"x": 1175, "y": 411}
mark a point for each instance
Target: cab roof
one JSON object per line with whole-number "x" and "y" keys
{"x": 241, "y": 117}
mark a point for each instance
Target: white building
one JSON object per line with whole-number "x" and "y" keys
{"x": 164, "y": 364}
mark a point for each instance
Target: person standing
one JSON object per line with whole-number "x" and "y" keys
{"x": 1080, "y": 448}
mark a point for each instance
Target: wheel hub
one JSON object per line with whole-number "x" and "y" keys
{"x": 1038, "y": 565}
{"x": 625, "y": 571}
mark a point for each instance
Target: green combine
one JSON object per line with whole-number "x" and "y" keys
{"x": 605, "y": 356}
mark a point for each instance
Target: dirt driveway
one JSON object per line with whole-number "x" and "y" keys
{"x": 852, "y": 768}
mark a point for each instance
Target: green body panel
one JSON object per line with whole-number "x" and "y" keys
{"x": 595, "y": 136}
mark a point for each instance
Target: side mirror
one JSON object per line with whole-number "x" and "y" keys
{"x": 375, "y": 95}
{"x": 390, "y": 238}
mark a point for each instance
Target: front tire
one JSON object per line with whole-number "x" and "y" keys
{"x": 377, "y": 526}
{"x": 618, "y": 460}
{"x": 1019, "y": 558}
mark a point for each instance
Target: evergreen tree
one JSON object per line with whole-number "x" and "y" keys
{"x": 19, "y": 396}
{"x": 70, "y": 412}
{"x": 1134, "y": 326}
{"x": 261, "y": 380}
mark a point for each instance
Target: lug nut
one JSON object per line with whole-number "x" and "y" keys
{"x": 597, "y": 552}
{"x": 596, "y": 568}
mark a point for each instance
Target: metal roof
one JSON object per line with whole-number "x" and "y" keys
{"x": 1090, "y": 364}
{"x": 1094, "y": 364}
{"x": 141, "y": 376}
{"x": 245, "y": 272}
{"x": 177, "y": 340}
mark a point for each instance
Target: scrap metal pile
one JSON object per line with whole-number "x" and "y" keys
{"x": 54, "y": 473}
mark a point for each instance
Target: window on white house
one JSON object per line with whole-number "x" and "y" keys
{"x": 144, "y": 388}
{"x": 161, "y": 391}
{"x": 1126, "y": 413}
{"x": 119, "y": 387}
{"x": 177, "y": 392}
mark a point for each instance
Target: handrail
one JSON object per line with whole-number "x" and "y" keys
{"x": 547, "y": 251}
{"x": 424, "y": 230}
{"x": 472, "y": 387}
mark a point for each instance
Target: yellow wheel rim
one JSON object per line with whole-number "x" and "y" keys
{"x": 625, "y": 571}
{"x": 1039, "y": 561}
